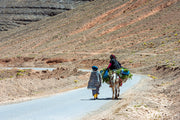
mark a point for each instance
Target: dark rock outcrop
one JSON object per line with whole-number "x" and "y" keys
{"x": 14, "y": 13}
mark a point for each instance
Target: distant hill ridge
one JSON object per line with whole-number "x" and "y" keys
{"x": 14, "y": 13}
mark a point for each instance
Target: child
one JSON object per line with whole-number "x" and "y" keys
{"x": 94, "y": 82}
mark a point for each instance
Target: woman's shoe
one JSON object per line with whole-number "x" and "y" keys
{"x": 96, "y": 96}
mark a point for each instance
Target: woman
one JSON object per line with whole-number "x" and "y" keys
{"x": 113, "y": 64}
{"x": 95, "y": 82}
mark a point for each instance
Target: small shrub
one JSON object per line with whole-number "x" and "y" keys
{"x": 130, "y": 61}
{"x": 76, "y": 81}
{"x": 167, "y": 61}
{"x": 162, "y": 45}
{"x": 18, "y": 56}
{"x": 21, "y": 71}
{"x": 137, "y": 105}
{"x": 19, "y": 74}
{"x": 145, "y": 106}
{"x": 153, "y": 77}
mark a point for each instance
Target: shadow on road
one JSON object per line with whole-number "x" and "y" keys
{"x": 101, "y": 99}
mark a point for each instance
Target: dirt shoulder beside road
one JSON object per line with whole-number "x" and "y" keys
{"x": 21, "y": 85}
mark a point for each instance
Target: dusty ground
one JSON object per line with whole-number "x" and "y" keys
{"x": 21, "y": 85}
{"x": 143, "y": 34}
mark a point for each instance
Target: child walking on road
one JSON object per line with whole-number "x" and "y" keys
{"x": 94, "y": 82}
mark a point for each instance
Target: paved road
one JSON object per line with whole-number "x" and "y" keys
{"x": 24, "y": 68}
{"x": 66, "y": 106}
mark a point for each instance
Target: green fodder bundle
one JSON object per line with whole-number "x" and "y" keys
{"x": 105, "y": 79}
{"x": 123, "y": 73}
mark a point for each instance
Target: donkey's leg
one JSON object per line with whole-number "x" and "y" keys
{"x": 113, "y": 92}
{"x": 113, "y": 82}
{"x": 118, "y": 90}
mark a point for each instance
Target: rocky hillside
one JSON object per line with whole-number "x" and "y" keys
{"x": 139, "y": 32}
{"x": 14, "y": 13}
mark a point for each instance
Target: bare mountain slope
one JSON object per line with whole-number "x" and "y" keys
{"x": 108, "y": 26}
{"x": 140, "y": 32}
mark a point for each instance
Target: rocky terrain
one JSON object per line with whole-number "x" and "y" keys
{"x": 143, "y": 34}
{"x": 15, "y": 13}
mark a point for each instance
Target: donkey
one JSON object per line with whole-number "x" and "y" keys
{"x": 115, "y": 83}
